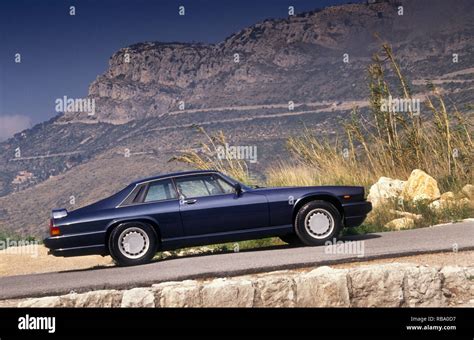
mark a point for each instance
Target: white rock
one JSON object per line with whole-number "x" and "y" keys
{"x": 322, "y": 287}
{"x": 275, "y": 291}
{"x": 420, "y": 187}
{"x": 98, "y": 298}
{"x": 384, "y": 190}
{"x": 228, "y": 293}
{"x": 138, "y": 297}
{"x": 423, "y": 287}
{"x": 455, "y": 282}
{"x": 179, "y": 294}
{"x": 377, "y": 286}
{"x": 44, "y": 302}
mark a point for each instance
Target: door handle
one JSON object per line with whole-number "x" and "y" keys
{"x": 191, "y": 201}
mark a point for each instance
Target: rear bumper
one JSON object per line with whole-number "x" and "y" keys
{"x": 355, "y": 213}
{"x": 79, "y": 251}
{"x": 77, "y": 244}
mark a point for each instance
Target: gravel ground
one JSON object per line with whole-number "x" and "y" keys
{"x": 27, "y": 260}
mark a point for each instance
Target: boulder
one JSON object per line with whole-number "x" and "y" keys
{"x": 377, "y": 286}
{"x": 322, "y": 287}
{"x": 138, "y": 297}
{"x": 435, "y": 205}
{"x": 466, "y": 201}
{"x": 386, "y": 189}
{"x": 468, "y": 191}
{"x": 401, "y": 223}
{"x": 446, "y": 199}
{"x": 447, "y": 196}
{"x": 420, "y": 187}
{"x": 228, "y": 293}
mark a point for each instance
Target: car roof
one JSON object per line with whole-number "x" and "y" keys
{"x": 174, "y": 174}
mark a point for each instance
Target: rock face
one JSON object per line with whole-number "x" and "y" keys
{"x": 385, "y": 190}
{"x": 384, "y": 285}
{"x": 278, "y": 60}
{"x": 420, "y": 187}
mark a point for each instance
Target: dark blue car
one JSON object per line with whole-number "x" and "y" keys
{"x": 202, "y": 207}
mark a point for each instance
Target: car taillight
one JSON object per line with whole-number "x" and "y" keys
{"x": 53, "y": 230}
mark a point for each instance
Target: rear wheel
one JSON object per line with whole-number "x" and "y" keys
{"x": 317, "y": 222}
{"x": 132, "y": 243}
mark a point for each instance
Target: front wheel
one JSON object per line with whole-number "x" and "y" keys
{"x": 317, "y": 222}
{"x": 132, "y": 243}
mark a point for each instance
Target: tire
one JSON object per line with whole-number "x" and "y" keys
{"x": 317, "y": 222}
{"x": 132, "y": 243}
{"x": 291, "y": 239}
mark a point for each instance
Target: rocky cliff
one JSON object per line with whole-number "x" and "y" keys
{"x": 297, "y": 59}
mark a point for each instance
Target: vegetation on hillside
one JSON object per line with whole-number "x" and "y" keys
{"x": 386, "y": 143}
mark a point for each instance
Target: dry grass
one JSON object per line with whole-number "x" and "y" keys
{"x": 387, "y": 143}
{"x": 205, "y": 157}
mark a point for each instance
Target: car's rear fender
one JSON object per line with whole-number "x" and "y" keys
{"x": 144, "y": 219}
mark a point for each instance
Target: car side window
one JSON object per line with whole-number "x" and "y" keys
{"x": 226, "y": 187}
{"x": 160, "y": 191}
{"x": 199, "y": 186}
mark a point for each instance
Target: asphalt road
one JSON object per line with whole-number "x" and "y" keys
{"x": 380, "y": 245}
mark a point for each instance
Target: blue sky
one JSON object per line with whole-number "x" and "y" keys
{"x": 62, "y": 54}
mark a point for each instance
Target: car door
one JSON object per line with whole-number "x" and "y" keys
{"x": 159, "y": 200}
{"x": 209, "y": 205}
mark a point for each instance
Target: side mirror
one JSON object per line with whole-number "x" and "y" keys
{"x": 238, "y": 189}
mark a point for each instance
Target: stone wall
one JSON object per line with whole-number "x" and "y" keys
{"x": 385, "y": 285}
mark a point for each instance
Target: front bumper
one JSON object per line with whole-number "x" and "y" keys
{"x": 355, "y": 213}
